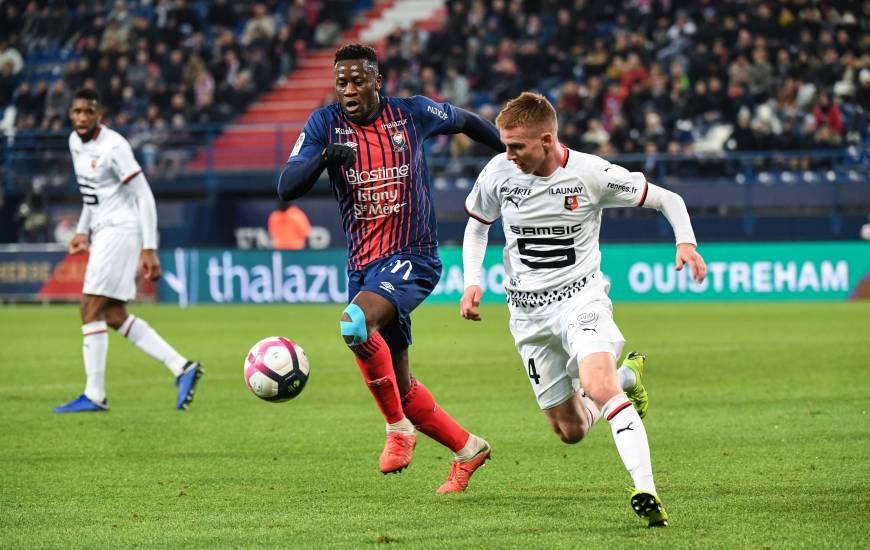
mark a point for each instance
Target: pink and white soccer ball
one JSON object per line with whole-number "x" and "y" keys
{"x": 276, "y": 369}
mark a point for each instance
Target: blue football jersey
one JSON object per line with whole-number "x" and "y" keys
{"x": 384, "y": 199}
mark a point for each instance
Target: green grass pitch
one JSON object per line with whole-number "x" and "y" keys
{"x": 758, "y": 426}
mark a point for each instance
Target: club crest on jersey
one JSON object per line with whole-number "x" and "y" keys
{"x": 93, "y": 164}
{"x": 572, "y": 202}
{"x": 398, "y": 141}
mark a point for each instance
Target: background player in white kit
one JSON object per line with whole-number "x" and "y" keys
{"x": 119, "y": 225}
{"x": 550, "y": 200}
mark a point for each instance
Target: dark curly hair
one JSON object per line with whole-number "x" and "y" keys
{"x": 88, "y": 94}
{"x": 357, "y": 51}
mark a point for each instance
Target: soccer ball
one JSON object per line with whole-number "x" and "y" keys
{"x": 276, "y": 369}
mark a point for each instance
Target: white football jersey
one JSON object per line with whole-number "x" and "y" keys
{"x": 103, "y": 166}
{"x": 551, "y": 224}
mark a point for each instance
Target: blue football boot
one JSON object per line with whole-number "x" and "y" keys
{"x": 186, "y": 383}
{"x": 82, "y": 404}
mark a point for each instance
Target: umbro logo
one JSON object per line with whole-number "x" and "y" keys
{"x": 385, "y": 285}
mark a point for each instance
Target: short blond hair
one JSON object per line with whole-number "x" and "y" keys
{"x": 528, "y": 110}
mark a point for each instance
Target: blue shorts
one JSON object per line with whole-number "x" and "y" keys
{"x": 405, "y": 280}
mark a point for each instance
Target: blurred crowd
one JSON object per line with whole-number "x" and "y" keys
{"x": 654, "y": 76}
{"x": 635, "y": 76}
{"x": 164, "y": 68}
{"x": 160, "y": 65}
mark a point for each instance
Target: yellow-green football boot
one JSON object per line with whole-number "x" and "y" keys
{"x": 649, "y": 508}
{"x": 637, "y": 393}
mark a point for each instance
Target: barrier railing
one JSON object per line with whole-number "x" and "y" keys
{"x": 40, "y": 160}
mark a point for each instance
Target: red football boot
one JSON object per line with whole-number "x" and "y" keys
{"x": 397, "y": 452}
{"x": 461, "y": 471}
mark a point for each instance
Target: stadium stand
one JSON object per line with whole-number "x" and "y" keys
{"x": 695, "y": 94}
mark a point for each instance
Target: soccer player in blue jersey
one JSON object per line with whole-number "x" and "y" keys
{"x": 372, "y": 148}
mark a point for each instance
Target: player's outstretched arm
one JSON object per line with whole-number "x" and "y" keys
{"x": 473, "y": 251}
{"x": 469, "y": 303}
{"x": 687, "y": 254}
{"x": 479, "y": 129}
{"x": 674, "y": 209}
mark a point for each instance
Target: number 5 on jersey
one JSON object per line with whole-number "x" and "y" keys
{"x": 88, "y": 198}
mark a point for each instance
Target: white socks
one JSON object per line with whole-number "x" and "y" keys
{"x": 592, "y": 412}
{"x": 95, "y": 346}
{"x": 473, "y": 446}
{"x": 627, "y": 379}
{"x": 631, "y": 441}
{"x": 146, "y": 338}
{"x": 403, "y": 426}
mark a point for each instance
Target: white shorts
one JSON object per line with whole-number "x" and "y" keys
{"x": 553, "y": 339}
{"x": 112, "y": 265}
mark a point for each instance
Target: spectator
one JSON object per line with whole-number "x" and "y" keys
{"x": 116, "y": 37}
{"x": 260, "y": 25}
{"x": 595, "y": 135}
{"x": 455, "y": 88}
{"x": 260, "y": 69}
{"x": 30, "y": 101}
{"x": 173, "y": 69}
{"x": 9, "y": 54}
{"x": 743, "y": 137}
{"x": 57, "y": 100}
{"x": 138, "y": 73}
{"x": 759, "y": 75}
{"x": 282, "y": 51}
{"x": 186, "y": 17}
{"x": 7, "y": 84}
{"x": 863, "y": 94}
{"x": 221, "y": 13}
{"x": 175, "y": 151}
{"x": 32, "y": 219}
{"x": 828, "y": 117}
{"x": 288, "y": 227}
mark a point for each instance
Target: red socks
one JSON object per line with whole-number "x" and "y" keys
{"x": 376, "y": 363}
{"x": 429, "y": 418}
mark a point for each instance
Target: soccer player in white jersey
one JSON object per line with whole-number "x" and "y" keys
{"x": 118, "y": 225}
{"x": 549, "y": 199}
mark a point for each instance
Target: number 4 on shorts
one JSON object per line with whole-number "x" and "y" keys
{"x": 533, "y": 374}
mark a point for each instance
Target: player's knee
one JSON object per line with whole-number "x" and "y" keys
{"x": 353, "y": 325}
{"x": 601, "y": 393}
{"x": 570, "y": 433}
{"x": 115, "y": 317}
{"x": 90, "y": 310}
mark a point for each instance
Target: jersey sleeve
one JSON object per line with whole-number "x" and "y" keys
{"x": 437, "y": 118}
{"x": 611, "y": 185}
{"x": 483, "y": 203}
{"x": 312, "y": 140}
{"x": 124, "y": 164}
